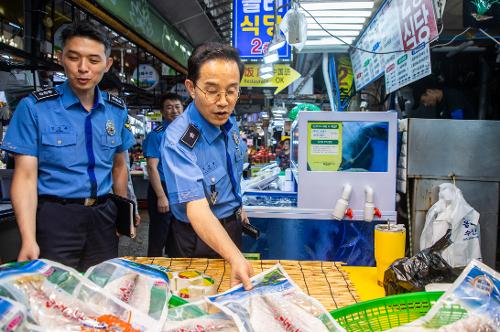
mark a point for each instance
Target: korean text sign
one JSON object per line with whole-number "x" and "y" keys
{"x": 399, "y": 25}
{"x": 253, "y": 27}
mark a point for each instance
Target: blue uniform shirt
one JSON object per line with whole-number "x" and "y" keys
{"x": 192, "y": 173}
{"x": 75, "y": 148}
{"x": 152, "y": 145}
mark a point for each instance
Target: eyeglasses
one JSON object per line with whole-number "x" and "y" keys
{"x": 232, "y": 94}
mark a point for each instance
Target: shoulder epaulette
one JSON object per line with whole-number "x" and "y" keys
{"x": 45, "y": 94}
{"x": 190, "y": 136}
{"x": 159, "y": 128}
{"x": 115, "y": 100}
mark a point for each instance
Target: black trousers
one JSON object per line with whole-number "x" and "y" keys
{"x": 159, "y": 224}
{"x": 75, "y": 235}
{"x": 184, "y": 242}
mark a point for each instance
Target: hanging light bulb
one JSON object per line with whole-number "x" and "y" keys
{"x": 266, "y": 71}
{"x": 267, "y": 76}
{"x": 278, "y": 40}
{"x": 265, "y": 68}
{"x": 271, "y": 57}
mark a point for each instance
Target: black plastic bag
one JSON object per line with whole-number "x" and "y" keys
{"x": 412, "y": 274}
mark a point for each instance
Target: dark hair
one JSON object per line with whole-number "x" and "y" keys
{"x": 88, "y": 30}
{"x": 210, "y": 51}
{"x": 170, "y": 96}
{"x": 421, "y": 86}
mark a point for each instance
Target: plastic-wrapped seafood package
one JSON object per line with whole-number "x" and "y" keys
{"x": 12, "y": 315}
{"x": 472, "y": 304}
{"x": 58, "y": 298}
{"x": 191, "y": 285}
{"x": 276, "y": 303}
{"x": 201, "y": 316}
{"x": 141, "y": 286}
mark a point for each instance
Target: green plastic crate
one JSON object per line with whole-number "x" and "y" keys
{"x": 384, "y": 313}
{"x": 393, "y": 311}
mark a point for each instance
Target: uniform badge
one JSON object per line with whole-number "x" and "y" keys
{"x": 110, "y": 128}
{"x": 116, "y": 101}
{"x": 236, "y": 138}
{"x": 128, "y": 125}
{"x": 190, "y": 136}
{"x": 44, "y": 94}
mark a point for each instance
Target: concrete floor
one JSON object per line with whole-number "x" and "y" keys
{"x": 139, "y": 245}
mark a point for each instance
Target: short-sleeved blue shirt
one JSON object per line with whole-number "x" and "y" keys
{"x": 152, "y": 145}
{"x": 191, "y": 172}
{"x": 75, "y": 148}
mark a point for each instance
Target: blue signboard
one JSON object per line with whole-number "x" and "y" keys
{"x": 253, "y": 26}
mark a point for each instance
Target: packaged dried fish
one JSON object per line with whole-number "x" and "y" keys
{"x": 276, "y": 303}
{"x": 141, "y": 286}
{"x": 12, "y": 315}
{"x": 201, "y": 316}
{"x": 58, "y": 298}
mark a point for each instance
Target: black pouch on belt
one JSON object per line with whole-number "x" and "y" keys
{"x": 247, "y": 228}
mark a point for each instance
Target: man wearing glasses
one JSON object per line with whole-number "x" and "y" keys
{"x": 202, "y": 154}
{"x": 158, "y": 206}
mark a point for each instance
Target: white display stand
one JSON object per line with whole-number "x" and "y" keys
{"x": 320, "y": 190}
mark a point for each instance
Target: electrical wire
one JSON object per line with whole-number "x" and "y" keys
{"x": 489, "y": 36}
{"x": 452, "y": 40}
{"x": 363, "y": 50}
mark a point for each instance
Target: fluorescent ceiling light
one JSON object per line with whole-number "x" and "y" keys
{"x": 265, "y": 69}
{"x": 329, "y": 41}
{"x": 14, "y": 25}
{"x": 279, "y": 112}
{"x": 339, "y": 13}
{"x": 327, "y": 26}
{"x": 326, "y": 20}
{"x": 339, "y": 33}
{"x": 278, "y": 40}
{"x": 267, "y": 76}
{"x": 271, "y": 57}
{"x": 337, "y": 5}
{"x": 275, "y": 46}
{"x": 276, "y": 43}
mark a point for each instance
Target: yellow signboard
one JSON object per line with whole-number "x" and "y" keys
{"x": 324, "y": 146}
{"x": 154, "y": 117}
{"x": 284, "y": 75}
{"x": 344, "y": 74}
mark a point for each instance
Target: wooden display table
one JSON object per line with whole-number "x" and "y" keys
{"x": 327, "y": 282}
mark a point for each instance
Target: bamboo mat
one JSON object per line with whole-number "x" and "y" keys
{"x": 325, "y": 281}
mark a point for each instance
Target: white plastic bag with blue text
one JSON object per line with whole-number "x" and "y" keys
{"x": 452, "y": 212}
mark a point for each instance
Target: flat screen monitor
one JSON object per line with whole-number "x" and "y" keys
{"x": 347, "y": 146}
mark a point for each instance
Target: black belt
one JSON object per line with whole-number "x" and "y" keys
{"x": 228, "y": 219}
{"x": 235, "y": 215}
{"x": 90, "y": 201}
